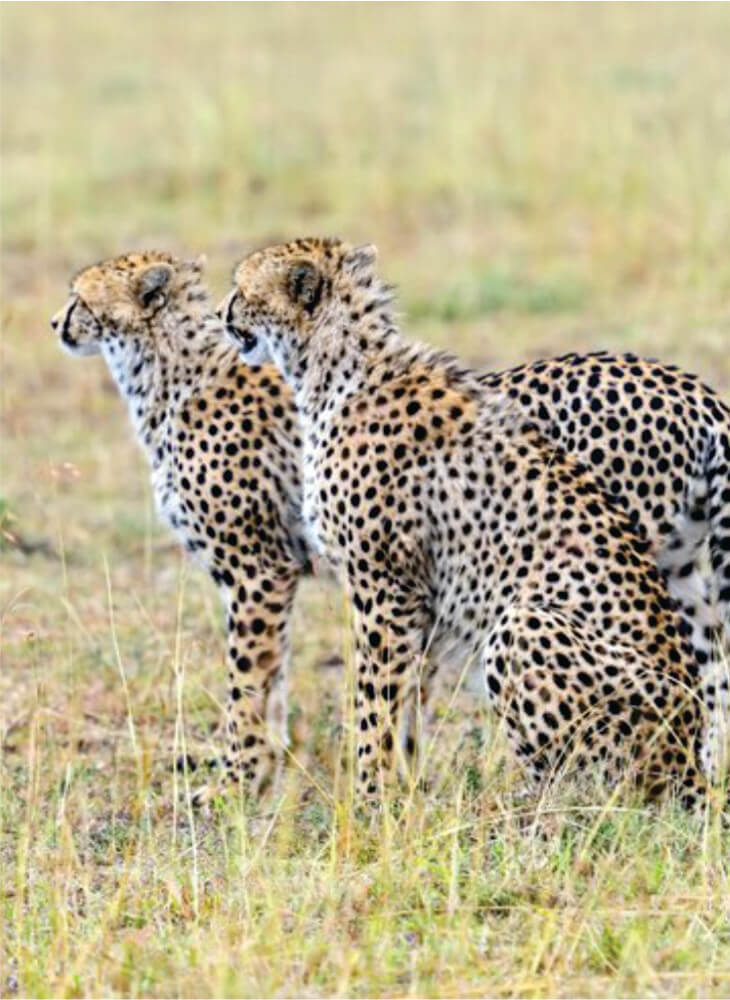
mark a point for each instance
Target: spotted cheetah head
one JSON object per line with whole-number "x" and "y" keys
{"x": 125, "y": 296}
{"x": 284, "y": 294}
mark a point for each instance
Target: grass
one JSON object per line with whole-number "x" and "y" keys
{"x": 538, "y": 179}
{"x": 498, "y": 290}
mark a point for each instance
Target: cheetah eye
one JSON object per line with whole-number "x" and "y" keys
{"x": 248, "y": 340}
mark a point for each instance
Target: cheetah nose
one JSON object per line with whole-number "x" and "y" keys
{"x": 54, "y": 323}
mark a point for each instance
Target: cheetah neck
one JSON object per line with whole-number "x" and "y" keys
{"x": 334, "y": 362}
{"x": 157, "y": 373}
{"x": 343, "y": 361}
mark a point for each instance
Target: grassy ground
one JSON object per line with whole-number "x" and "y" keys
{"x": 538, "y": 179}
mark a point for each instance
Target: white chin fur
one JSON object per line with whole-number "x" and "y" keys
{"x": 81, "y": 350}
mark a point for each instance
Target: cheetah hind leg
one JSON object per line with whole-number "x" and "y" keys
{"x": 575, "y": 705}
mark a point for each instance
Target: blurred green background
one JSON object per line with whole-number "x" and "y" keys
{"x": 540, "y": 161}
{"x": 538, "y": 178}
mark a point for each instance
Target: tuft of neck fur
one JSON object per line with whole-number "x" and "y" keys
{"x": 357, "y": 345}
{"x": 351, "y": 333}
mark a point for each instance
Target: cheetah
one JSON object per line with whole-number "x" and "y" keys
{"x": 463, "y": 527}
{"x": 223, "y": 447}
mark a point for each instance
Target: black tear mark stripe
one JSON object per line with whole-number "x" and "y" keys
{"x": 229, "y": 310}
{"x": 67, "y": 321}
{"x": 245, "y": 338}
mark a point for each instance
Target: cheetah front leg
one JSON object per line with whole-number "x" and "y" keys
{"x": 389, "y": 643}
{"x": 259, "y": 610}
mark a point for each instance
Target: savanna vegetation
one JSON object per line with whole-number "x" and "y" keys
{"x": 538, "y": 179}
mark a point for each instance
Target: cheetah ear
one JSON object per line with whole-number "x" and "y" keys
{"x": 151, "y": 288}
{"x": 199, "y": 264}
{"x": 360, "y": 260}
{"x": 304, "y": 285}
